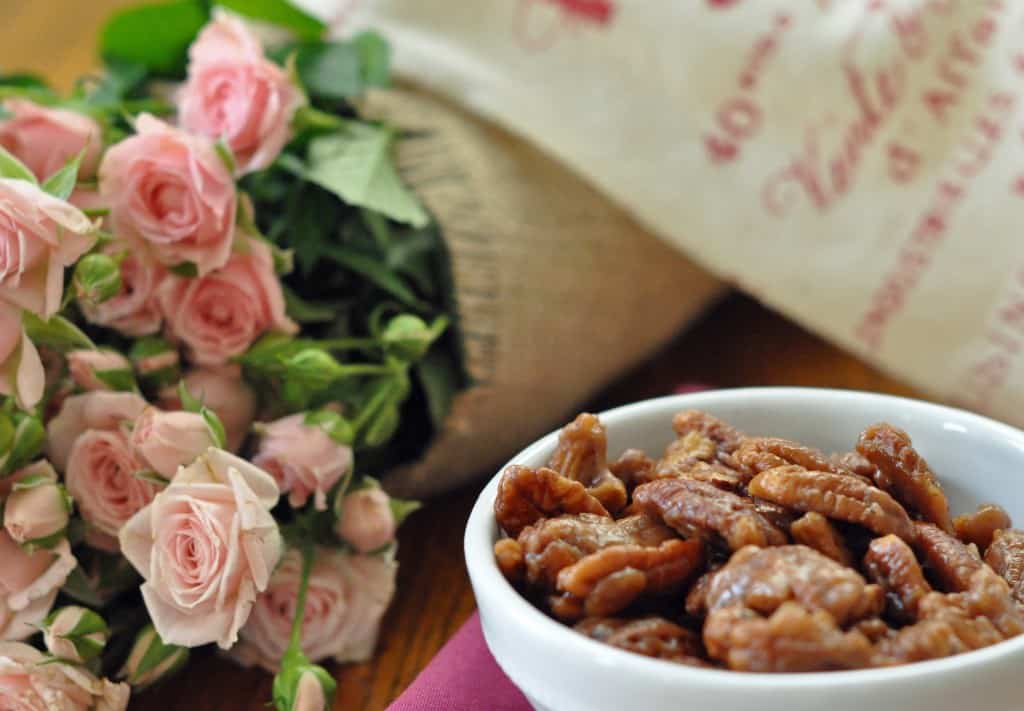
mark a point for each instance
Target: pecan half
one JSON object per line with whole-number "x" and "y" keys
{"x": 633, "y": 467}
{"x": 762, "y": 579}
{"x": 833, "y": 495}
{"x": 791, "y": 640}
{"x": 980, "y": 527}
{"x": 815, "y": 531}
{"x": 891, "y": 563}
{"x": 651, "y": 636}
{"x": 906, "y": 473}
{"x": 582, "y": 455}
{"x": 1006, "y": 556}
{"x": 611, "y": 579}
{"x": 526, "y": 495}
{"x": 509, "y": 556}
{"x": 725, "y": 437}
{"x": 952, "y": 562}
{"x": 761, "y": 453}
{"x": 553, "y": 544}
{"x": 699, "y": 510}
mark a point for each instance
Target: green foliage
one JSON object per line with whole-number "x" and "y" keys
{"x": 155, "y": 37}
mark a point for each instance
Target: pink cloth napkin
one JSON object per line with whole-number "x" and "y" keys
{"x": 464, "y": 676}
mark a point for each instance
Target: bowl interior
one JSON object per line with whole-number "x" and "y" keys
{"x": 977, "y": 460}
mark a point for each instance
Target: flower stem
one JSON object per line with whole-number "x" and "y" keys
{"x": 295, "y": 643}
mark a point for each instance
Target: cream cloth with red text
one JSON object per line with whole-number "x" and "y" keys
{"x": 858, "y": 165}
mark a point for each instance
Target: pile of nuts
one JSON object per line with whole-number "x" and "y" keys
{"x": 757, "y": 553}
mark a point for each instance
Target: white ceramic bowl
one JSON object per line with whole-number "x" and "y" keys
{"x": 978, "y": 460}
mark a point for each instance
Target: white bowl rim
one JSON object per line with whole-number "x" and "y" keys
{"x": 483, "y": 570}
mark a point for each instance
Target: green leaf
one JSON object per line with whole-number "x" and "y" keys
{"x": 329, "y": 70}
{"x": 357, "y": 165}
{"x": 24, "y": 80}
{"x": 374, "y": 57}
{"x": 307, "y": 311}
{"x": 226, "y": 155}
{"x": 215, "y": 426}
{"x": 119, "y": 379}
{"x": 57, "y": 333}
{"x": 120, "y": 78}
{"x": 62, "y": 183}
{"x": 376, "y": 272}
{"x": 278, "y": 12}
{"x": 156, "y": 37}
{"x": 31, "y": 482}
{"x": 401, "y": 508}
{"x": 189, "y": 402}
{"x": 11, "y": 167}
{"x": 439, "y": 376}
{"x": 150, "y": 476}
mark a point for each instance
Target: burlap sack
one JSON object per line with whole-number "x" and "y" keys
{"x": 557, "y": 289}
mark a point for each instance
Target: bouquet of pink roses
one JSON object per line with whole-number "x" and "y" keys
{"x": 220, "y": 309}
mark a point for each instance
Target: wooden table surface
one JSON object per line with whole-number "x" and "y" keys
{"x": 57, "y": 39}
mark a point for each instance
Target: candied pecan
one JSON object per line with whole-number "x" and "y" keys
{"x": 762, "y": 579}
{"x": 928, "y": 639}
{"x": 815, "y": 531}
{"x": 1006, "y": 556}
{"x": 761, "y": 453}
{"x": 555, "y": 543}
{"x": 582, "y": 455}
{"x": 854, "y": 463}
{"x": 694, "y": 456}
{"x": 891, "y": 563}
{"x": 951, "y": 560}
{"x": 792, "y": 639}
{"x": 950, "y": 624}
{"x": 612, "y": 578}
{"x": 988, "y": 595}
{"x": 979, "y": 527}
{"x": 509, "y": 556}
{"x": 697, "y": 597}
{"x": 657, "y": 637}
{"x": 697, "y": 510}
{"x": 778, "y": 516}
{"x": 526, "y": 495}
{"x": 909, "y": 477}
{"x": 874, "y": 628}
{"x": 833, "y": 495}
{"x": 633, "y": 467}
{"x": 725, "y": 437}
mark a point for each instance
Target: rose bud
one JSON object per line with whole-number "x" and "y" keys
{"x": 365, "y": 518}
{"x": 38, "y": 508}
{"x": 168, "y": 440}
{"x": 97, "y": 278}
{"x": 75, "y": 633}
{"x": 303, "y": 459}
{"x": 100, "y": 370}
{"x": 45, "y": 138}
{"x": 301, "y": 686}
{"x": 225, "y": 392}
{"x": 409, "y": 337}
{"x": 151, "y": 660}
{"x": 31, "y": 682}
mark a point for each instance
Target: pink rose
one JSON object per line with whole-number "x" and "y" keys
{"x": 235, "y": 93}
{"x": 85, "y": 364}
{"x": 206, "y": 547}
{"x": 133, "y": 311}
{"x": 21, "y": 369}
{"x": 37, "y": 512}
{"x": 30, "y": 682}
{"x": 29, "y": 585}
{"x": 39, "y": 236}
{"x": 345, "y": 601}
{"x": 303, "y": 459}
{"x": 170, "y": 193}
{"x": 100, "y": 477}
{"x": 365, "y": 519}
{"x": 96, "y": 410}
{"x": 44, "y": 139}
{"x": 223, "y": 391}
{"x": 220, "y": 315}
{"x": 168, "y": 440}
